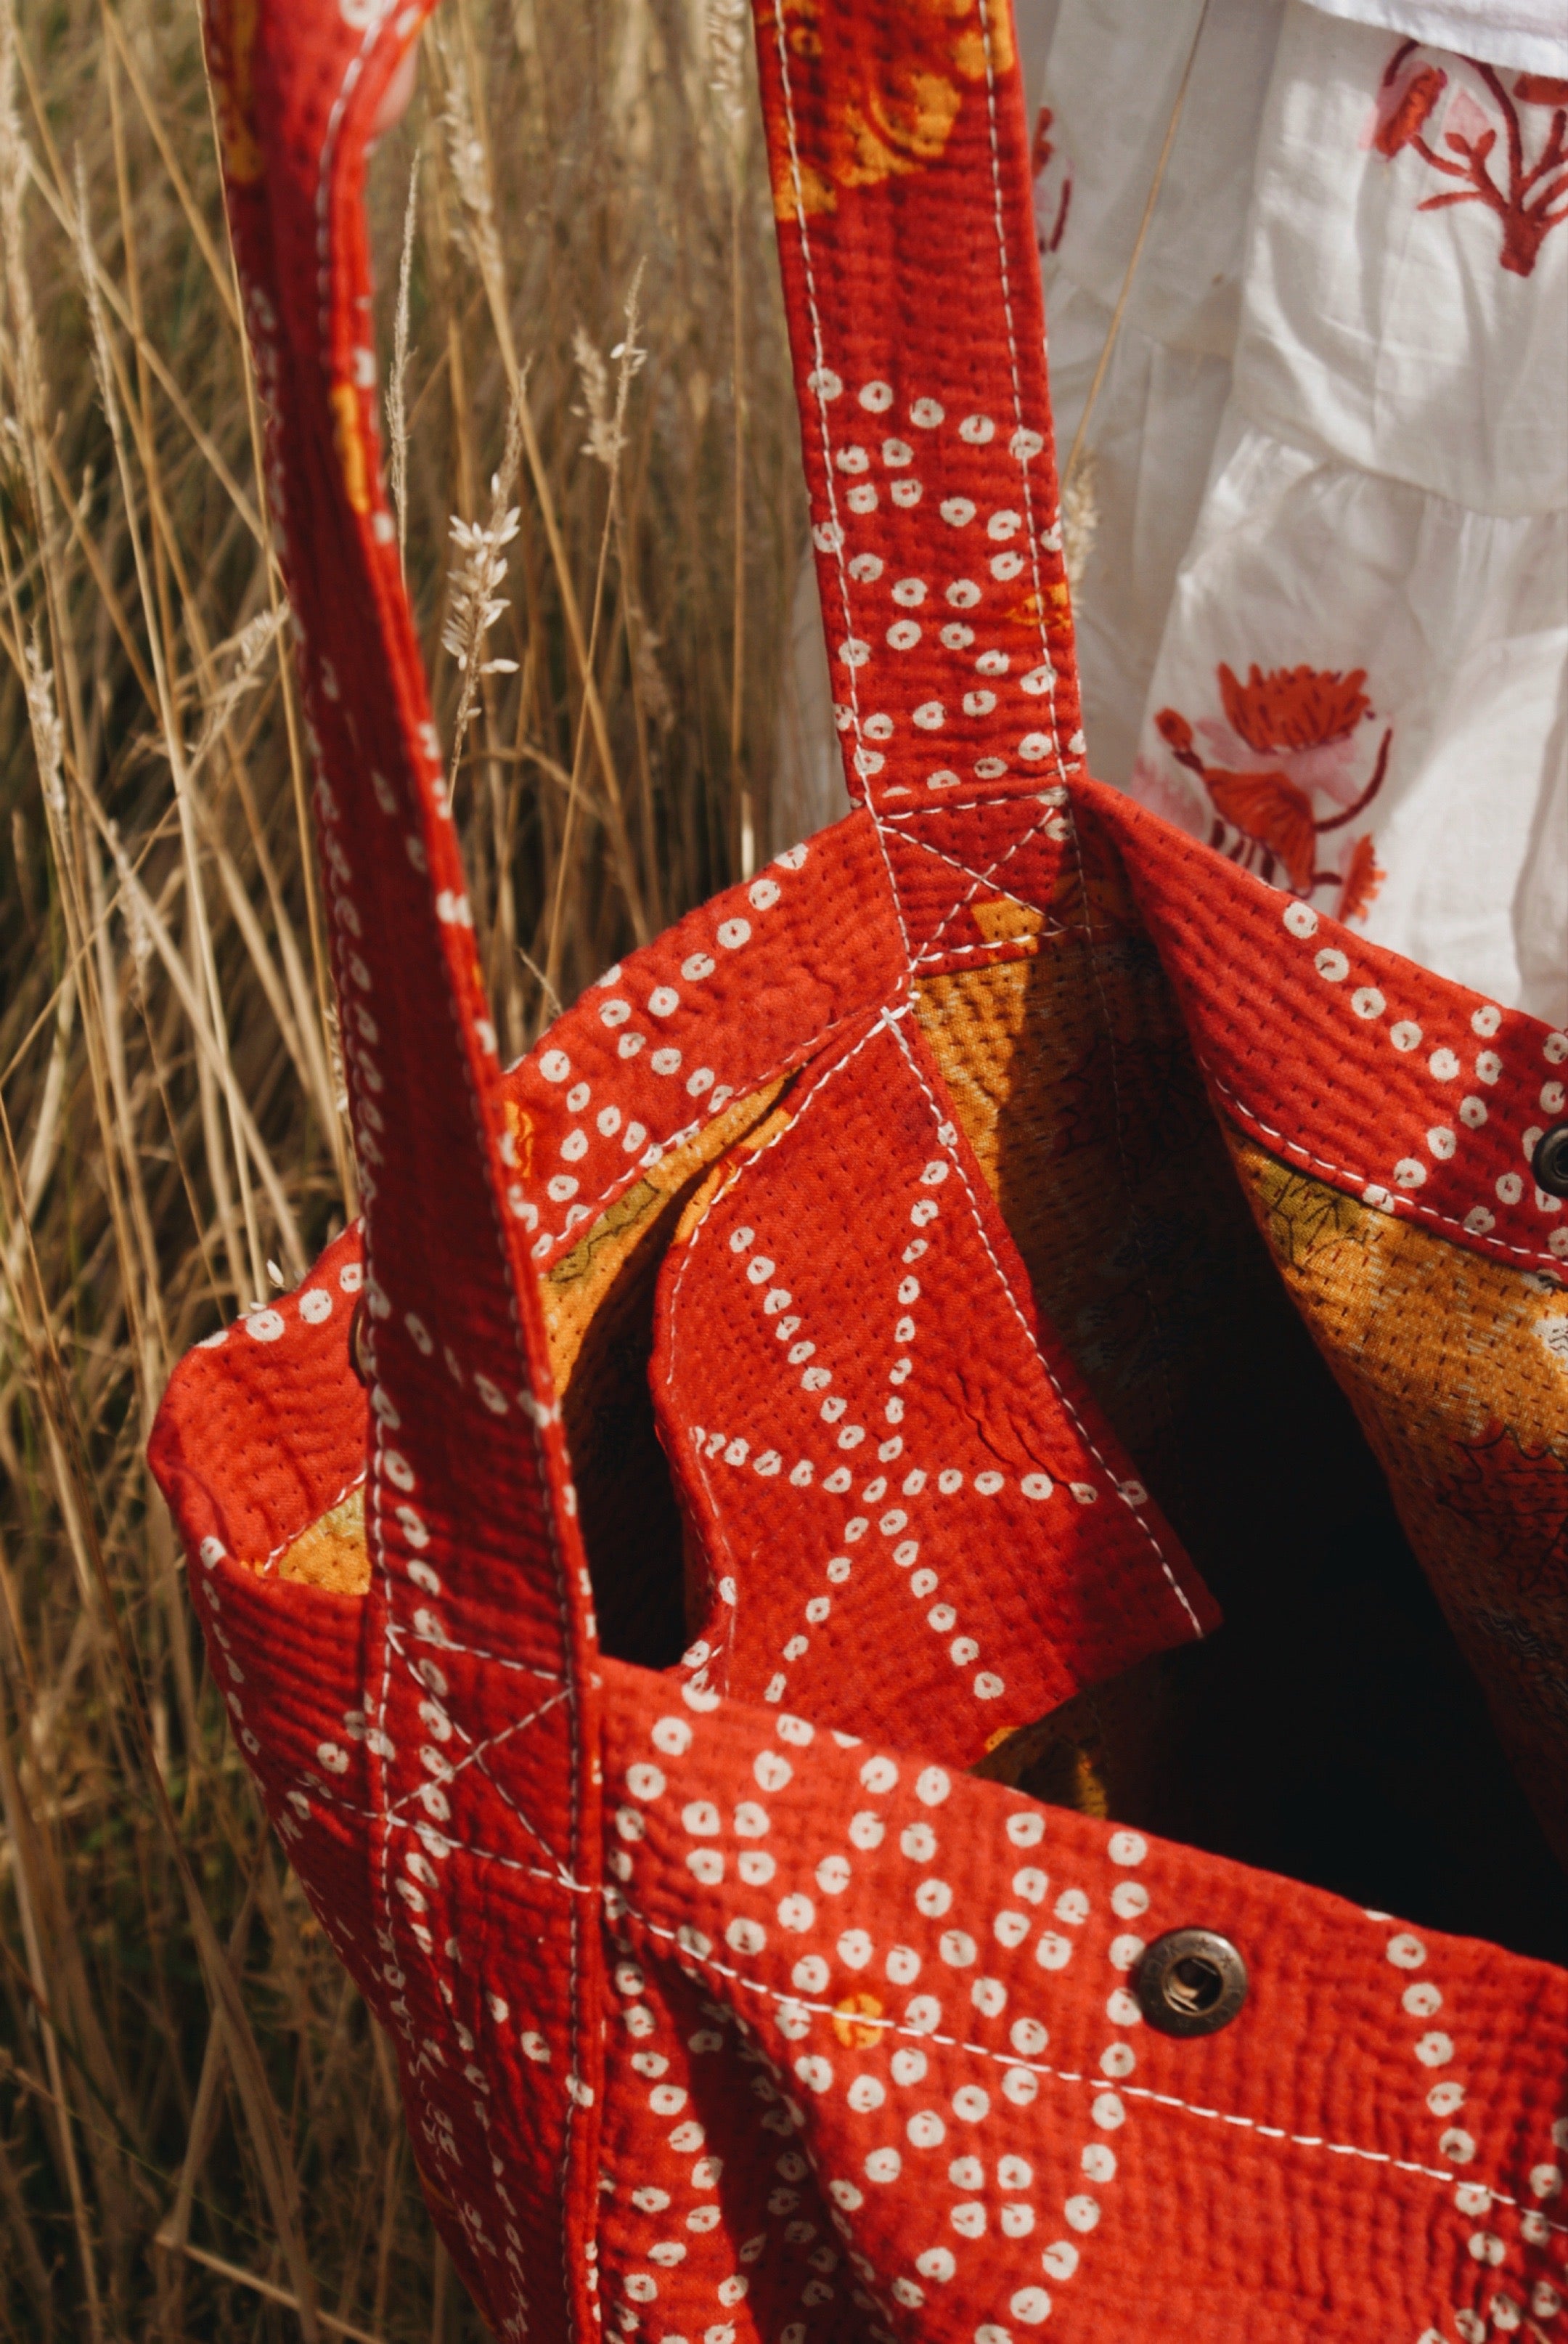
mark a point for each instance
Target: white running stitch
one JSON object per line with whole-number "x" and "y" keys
{"x": 988, "y": 878}
{"x": 394, "y": 1810}
{"x": 1468, "y": 1138}
{"x": 1057, "y": 2075}
{"x": 746, "y": 1086}
{"x": 1005, "y": 948}
{"x": 780, "y": 1679}
{"x": 375, "y": 1533}
{"x": 1068, "y": 1409}
{"x": 1023, "y": 461}
{"x": 889, "y": 1020}
{"x": 820, "y": 355}
{"x": 1364, "y": 1179}
{"x": 568, "y": 1622}
{"x": 355, "y": 67}
{"x": 751, "y": 1082}
{"x": 967, "y": 871}
{"x": 477, "y": 1755}
{"x": 476, "y": 1652}
{"x": 885, "y": 1017}
{"x": 262, "y": 1570}
{"x": 559, "y": 1878}
{"x": 396, "y": 1641}
{"x": 934, "y": 812}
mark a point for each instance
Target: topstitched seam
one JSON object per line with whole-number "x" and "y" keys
{"x": 825, "y": 437}
{"x": 988, "y": 878}
{"x": 374, "y": 33}
{"x": 619, "y": 1904}
{"x": 936, "y": 813}
{"x": 375, "y": 1541}
{"x": 264, "y": 1568}
{"x": 618, "y": 1900}
{"x": 480, "y": 1653}
{"x": 1396, "y": 1203}
{"x": 475, "y": 1755}
{"x": 967, "y": 871}
{"x": 1021, "y": 457}
{"x": 1004, "y": 949}
{"x": 559, "y": 1878}
{"x": 746, "y": 1086}
{"x": 1020, "y": 444}
{"x": 1065, "y": 1404}
{"x": 392, "y": 1639}
{"x": 567, "y": 1621}
{"x": 885, "y": 1017}
{"x": 797, "y": 1055}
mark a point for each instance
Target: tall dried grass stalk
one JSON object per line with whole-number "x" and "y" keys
{"x": 198, "y": 2126}
{"x": 475, "y": 602}
{"x": 728, "y": 25}
{"x": 398, "y": 377}
{"x": 1079, "y": 517}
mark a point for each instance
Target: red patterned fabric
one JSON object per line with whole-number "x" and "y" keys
{"x": 724, "y": 2006}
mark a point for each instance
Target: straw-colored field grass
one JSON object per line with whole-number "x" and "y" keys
{"x": 172, "y": 1142}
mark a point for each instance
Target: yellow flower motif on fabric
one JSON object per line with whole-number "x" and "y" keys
{"x": 890, "y": 107}
{"x": 348, "y": 435}
{"x": 857, "y": 2021}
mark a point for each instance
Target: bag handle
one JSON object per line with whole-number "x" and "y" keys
{"x": 460, "y": 1393}
{"x": 478, "y": 1597}
{"x": 477, "y": 1567}
{"x": 899, "y": 149}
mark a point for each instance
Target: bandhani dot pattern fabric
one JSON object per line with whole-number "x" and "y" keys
{"x": 727, "y": 2002}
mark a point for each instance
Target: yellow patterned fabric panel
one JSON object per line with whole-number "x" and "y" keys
{"x": 599, "y": 1318}
{"x": 1072, "y": 1074}
{"x": 332, "y": 1552}
{"x": 1457, "y": 1368}
{"x": 899, "y": 105}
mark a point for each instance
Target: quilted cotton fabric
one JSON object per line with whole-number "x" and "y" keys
{"x": 725, "y": 2004}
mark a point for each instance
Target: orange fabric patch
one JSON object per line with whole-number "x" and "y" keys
{"x": 890, "y": 113}
{"x": 597, "y": 1304}
{"x": 1457, "y": 1368}
{"x": 332, "y": 1552}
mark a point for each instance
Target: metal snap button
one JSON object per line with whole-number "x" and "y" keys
{"x": 361, "y": 1356}
{"x": 1550, "y": 1161}
{"x": 1191, "y": 1981}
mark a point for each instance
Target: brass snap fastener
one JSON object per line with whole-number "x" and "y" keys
{"x": 1191, "y": 1981}
{"x": 361, "y": 1357}
{"x": 1550, "y": 1161}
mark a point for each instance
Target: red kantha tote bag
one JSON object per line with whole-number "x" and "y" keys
{"x": 856, "y": 1349}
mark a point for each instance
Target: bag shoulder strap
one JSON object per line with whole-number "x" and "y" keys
{"x": 478, "y": 1600}
{"x": 899, "y": 159}
{"x": 898, "y": 148}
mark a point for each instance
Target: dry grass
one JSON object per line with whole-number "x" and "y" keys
{"x": 179, "y": 2055}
